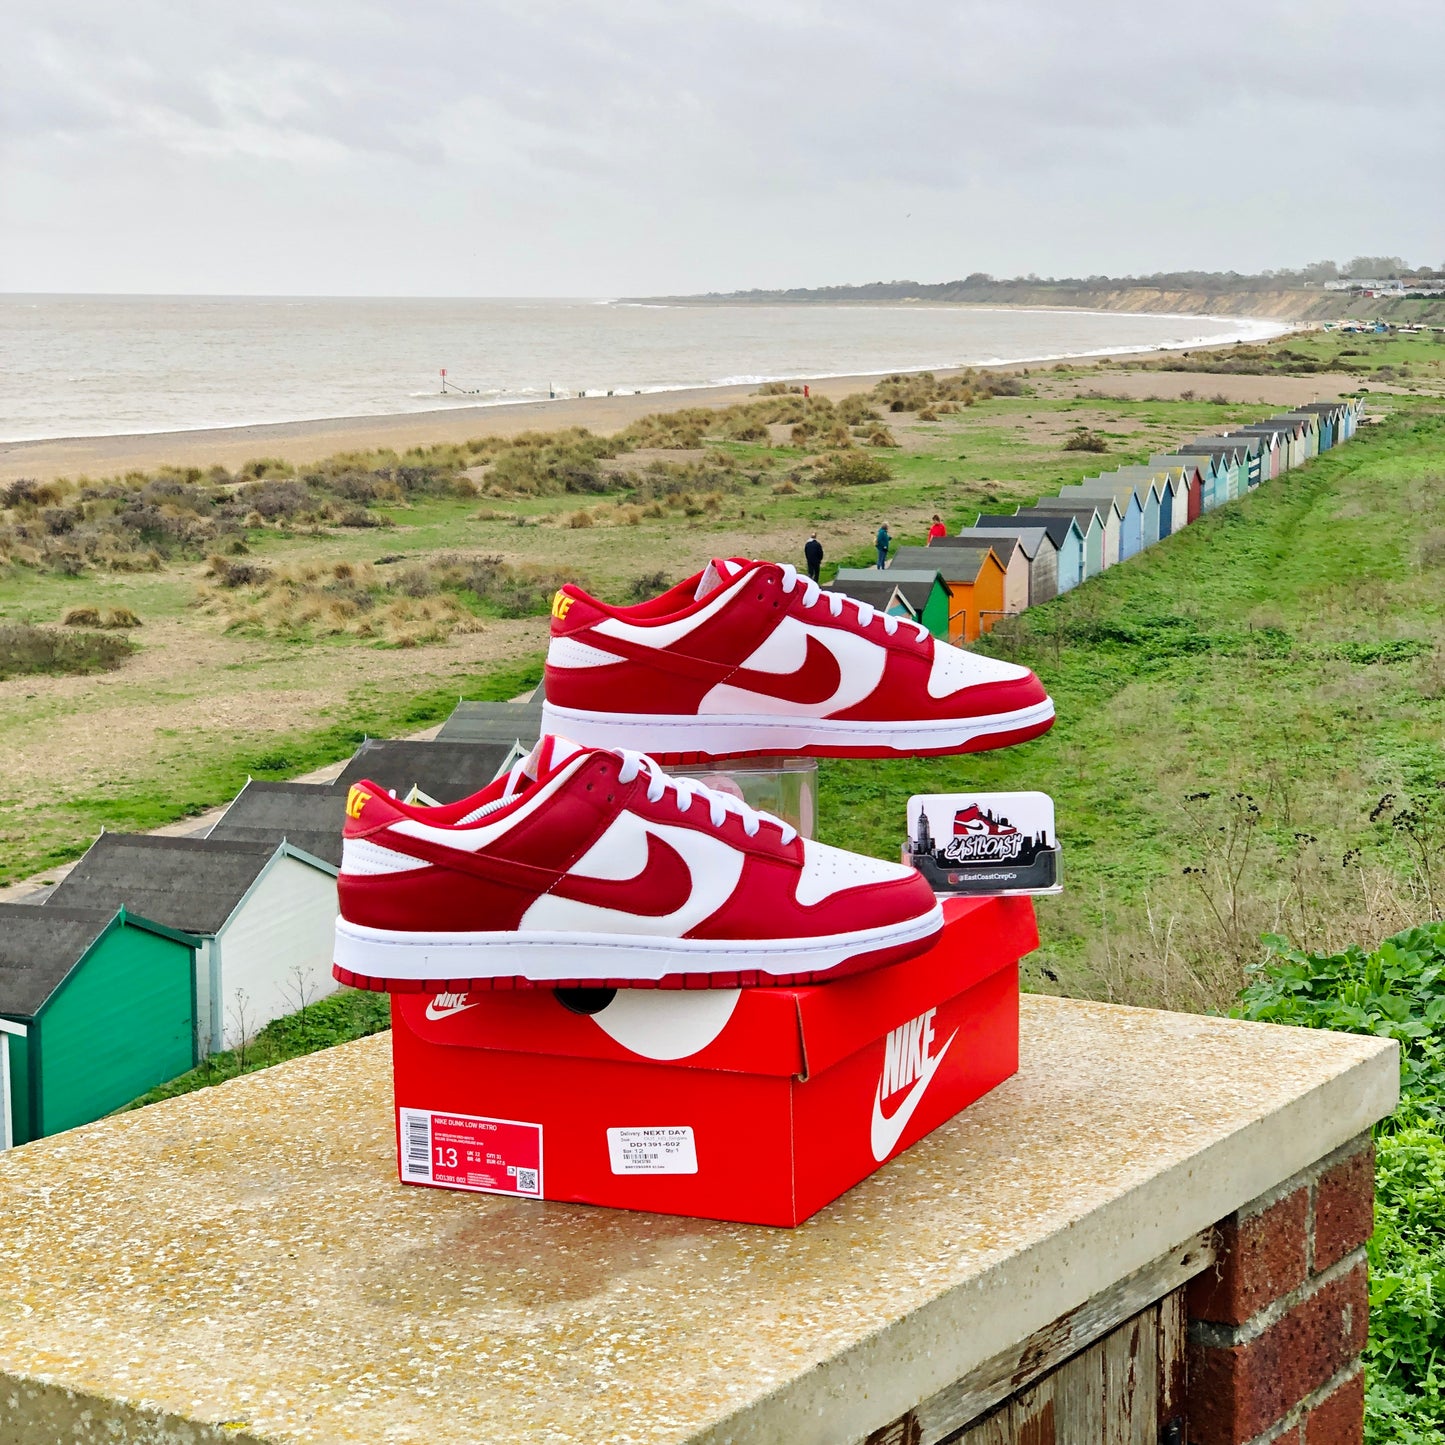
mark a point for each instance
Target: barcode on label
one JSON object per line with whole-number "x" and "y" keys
{"x": 527, "y": 1181}
{"x": 416, "y": 1144}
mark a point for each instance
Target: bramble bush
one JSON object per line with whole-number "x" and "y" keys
{"x": 1397, "y": 992}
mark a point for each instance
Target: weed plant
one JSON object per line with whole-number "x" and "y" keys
{"x": 336, "y": 1019}
{"x": 1395, "y": 991}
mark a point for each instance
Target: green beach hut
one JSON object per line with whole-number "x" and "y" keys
{"x": 924, "y": 594}
{"x": 108, "y": 1005}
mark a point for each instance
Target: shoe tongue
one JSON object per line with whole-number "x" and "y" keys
{"x": 717, "y": 572}
{"x": 549, "y": 755}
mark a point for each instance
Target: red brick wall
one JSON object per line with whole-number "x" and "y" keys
{"x": 1276, "y": 1327}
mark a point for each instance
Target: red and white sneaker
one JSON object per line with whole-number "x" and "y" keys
{"x": 593, "y": 867}
{"x": 748, "y": 657}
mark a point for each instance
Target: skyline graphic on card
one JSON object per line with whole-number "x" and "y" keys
{"x": 985, "y": 844}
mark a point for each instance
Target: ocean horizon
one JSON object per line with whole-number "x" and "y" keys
{"x": 80, "y": 366}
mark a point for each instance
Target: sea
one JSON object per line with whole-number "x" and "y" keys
{"x": 113, "y": 365}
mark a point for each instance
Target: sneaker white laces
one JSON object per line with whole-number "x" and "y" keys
{"x": 687, "y": 789}
{"x": 866, "y": 611}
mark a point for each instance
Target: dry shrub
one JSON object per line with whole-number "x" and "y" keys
{"x": 27, "y": 649}
{"x": 580, "y": 519}
{"x": 120, "y": 617}
{"x": 784, "y": 488}
{"x": 880, "y": 436}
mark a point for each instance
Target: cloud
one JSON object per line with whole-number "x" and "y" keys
{"x": 583, "y": 147}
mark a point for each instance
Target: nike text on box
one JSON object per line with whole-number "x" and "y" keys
{"x": 756, "y": 1104}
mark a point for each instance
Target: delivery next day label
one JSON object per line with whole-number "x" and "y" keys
{"x": 464, "y": 1151}
{"x": 655, "y": 1149}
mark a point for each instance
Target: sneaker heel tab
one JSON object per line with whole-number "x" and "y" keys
{"x": 369, "y": 807}
{"x": 572, "y": 610}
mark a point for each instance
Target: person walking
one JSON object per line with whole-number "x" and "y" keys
{"x": 937, "y": 530}
{"x": 813, "y": 555}
{"x": 884, "y": 541}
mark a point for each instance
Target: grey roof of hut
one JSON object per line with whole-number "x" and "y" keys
{"x": 954, "y": 563}
{"x": 1250, "y": 441}
{"x": 494, "y": 722}
{"x": 39, "y": 945}
{"x": 444, "y": 769}
{"x": 192, "y": 884}
{"x": 1004, "y": 544}
{"x": 1056, "y": 524}
{"x": 1031, "y": 535}
{"x": 1081, "y": 509}
{"x": 877, "y": 591}
{"x": 914, "y": 584}
{"x": 308, "y": 815}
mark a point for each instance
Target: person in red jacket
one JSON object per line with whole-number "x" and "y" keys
{"x": 937, "y": 530}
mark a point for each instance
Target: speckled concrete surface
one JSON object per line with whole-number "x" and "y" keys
{"x": 245, "y": 1257}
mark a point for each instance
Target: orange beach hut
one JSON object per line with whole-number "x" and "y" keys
{"x": 975, "y": 578}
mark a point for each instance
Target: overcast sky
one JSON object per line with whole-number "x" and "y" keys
{"x": 471, "y": 147}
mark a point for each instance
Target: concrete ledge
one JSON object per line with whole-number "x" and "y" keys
{"x": 245, "y": 1260}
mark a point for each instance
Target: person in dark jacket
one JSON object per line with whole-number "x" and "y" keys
{"x": 884, "y": 541}
{"x": 813, "y": 555}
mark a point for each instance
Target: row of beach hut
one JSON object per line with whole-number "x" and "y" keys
{"x": 154, "y": 952}
{"x": 959, "y": 586}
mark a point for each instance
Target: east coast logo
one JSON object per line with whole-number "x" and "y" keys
{"x": 444, "y": 1005}
{"x": 908, "y": 1063}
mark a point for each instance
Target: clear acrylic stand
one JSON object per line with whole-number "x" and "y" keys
{"x": 786, "y": 787}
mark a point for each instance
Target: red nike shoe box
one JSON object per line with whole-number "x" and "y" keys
{"x": 758, "y": 1105}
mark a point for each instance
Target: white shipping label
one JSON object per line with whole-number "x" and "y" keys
{"x": 659, "y": 1149}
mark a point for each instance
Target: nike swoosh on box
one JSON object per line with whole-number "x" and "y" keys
{"x": 434, "y": 1013}
{"x": 887, "y": 1129}
{"x": 663, "y": 886}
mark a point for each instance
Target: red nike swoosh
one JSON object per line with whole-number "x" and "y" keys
{"x": 663, "y": 886}
{"x": 815, "y": 682}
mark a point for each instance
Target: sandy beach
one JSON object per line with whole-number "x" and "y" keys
{"x": 308, "y": 441}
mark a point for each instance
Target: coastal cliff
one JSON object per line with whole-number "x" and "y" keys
{"x": 1282, "y": 304}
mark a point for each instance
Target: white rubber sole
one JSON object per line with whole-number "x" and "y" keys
{"x": 723, "y": 736}
{"x": 548, "y": 957}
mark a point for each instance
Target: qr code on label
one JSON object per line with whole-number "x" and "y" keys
{"x": 527, "y": 1181}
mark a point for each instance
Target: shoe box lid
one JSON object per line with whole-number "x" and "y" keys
{"x": 770, "y": 1031}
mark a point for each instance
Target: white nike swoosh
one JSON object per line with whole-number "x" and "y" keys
{"x": 887, "y": 1130}
{"x": 434, "y": 1013}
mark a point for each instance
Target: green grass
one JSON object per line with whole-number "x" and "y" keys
{"x": 1287, "y": 646}
{"x": 207, "y": 772}
{"x": 336, "y": 1019}
{"x": 1413, "y": 357}
{"x": 1397, "y": 991}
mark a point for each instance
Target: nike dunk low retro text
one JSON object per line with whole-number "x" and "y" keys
{"x": 750, "y": 658}
{"x": 591, "y": 866}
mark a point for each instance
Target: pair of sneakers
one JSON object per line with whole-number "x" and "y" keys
{"x": 587, "y": 865}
